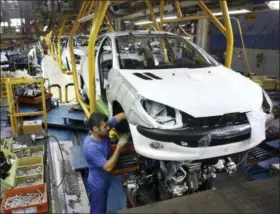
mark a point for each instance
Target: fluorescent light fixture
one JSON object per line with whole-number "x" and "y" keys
{"x": 45, "y": 28}
{"x": 127, "y": 22}
{"x": 4, "y": 24}
{"x": 158, "y": 19}
{"x": 233, "y": 12}
{"x": 273, "y": 5}
{"x": 166, "y": 18}
{"x": 143, "y": 22}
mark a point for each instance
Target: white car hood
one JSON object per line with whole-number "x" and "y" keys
{"x": 199, "y": 92}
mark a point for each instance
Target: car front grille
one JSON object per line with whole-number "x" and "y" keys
{"x": 215, "y": 121}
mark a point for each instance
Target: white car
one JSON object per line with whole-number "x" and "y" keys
{"x": 182, "y": 108}
{"x": 80, "y": 49}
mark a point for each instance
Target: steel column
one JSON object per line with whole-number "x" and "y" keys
{"x": 229, "y": 33}
{"x": 101, "y": 10}
{"x": 212, "y": 17}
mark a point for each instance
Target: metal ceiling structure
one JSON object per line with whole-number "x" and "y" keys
{"x": 41, "y": 13}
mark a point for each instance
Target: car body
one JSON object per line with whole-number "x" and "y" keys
{"x": 180, "y": 106}
{"x": 80, "y": 49}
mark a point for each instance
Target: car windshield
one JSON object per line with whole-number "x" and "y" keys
{"x": 157, "y": 51}
{"x": 81, "y": 41}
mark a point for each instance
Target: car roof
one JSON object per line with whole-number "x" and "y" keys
{"x": 135, "y": 32}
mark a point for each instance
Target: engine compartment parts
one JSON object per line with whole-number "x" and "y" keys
{"x": 17, "y": 60}
{"x": 28, "y": 90}
{"x": 169, "y": 179}
{"x": 25, "y": 200}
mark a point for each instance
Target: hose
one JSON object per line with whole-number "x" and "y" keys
{"x": 243, "y": 45}
{"x": 63, "y": 168}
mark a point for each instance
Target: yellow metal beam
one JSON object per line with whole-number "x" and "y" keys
{"x": 150, "y": 7}
{"x": 229, "y": 33}
{"x": 109, "y": 24}
{"x": 101, "y": 10}
{"x": 60, "y": 32}
{"x": 15, "y": 115}
{"x": 161, "y": 9}
{"x": 178, "y": 7}
{"x": 26, "y": 114}
{"x": 212, "y": 17}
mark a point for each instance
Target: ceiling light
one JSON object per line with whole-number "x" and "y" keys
{"x": 273, "y": 5}
{"x": 233, "y": 12}
{"x": 143, "y": 22}
{"x": 166, "y": 18}
{"x": 158, "y": 19}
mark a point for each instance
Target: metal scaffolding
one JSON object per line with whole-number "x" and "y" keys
{"x": 95, "y": 11}
{"x": 14, "y": 111}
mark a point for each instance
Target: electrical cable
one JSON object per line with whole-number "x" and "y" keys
{"x": 243, "y": 45}
{"x": 63, "y": 168}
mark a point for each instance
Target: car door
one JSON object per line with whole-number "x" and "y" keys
{"x": 104, "y": 63}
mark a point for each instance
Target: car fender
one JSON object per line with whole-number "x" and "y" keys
{"x": 124, "y": 93}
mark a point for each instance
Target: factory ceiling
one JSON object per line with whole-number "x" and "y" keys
{"x": 41, "y": 13}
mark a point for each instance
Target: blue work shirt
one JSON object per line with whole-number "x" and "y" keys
{"x": 97, "y": 153}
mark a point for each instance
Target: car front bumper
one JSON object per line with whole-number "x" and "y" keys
{"x": 183, "y": 145}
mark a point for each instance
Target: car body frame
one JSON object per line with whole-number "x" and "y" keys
{"x": 182, "y": 106}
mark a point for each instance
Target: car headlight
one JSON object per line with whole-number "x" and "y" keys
{"x": 267, "y": 103}
{"x": 162, "y": 114}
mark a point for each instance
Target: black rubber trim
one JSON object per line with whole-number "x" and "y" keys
{"x": 192, "y": 136}
{"x": 142, "y": 76}
{"x": 153, "y": 76}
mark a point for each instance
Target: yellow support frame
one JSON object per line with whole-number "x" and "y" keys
{"x": 61, "y": 29}
{"x": 13, "y": 107}
{"x": 99, "y": 16}
{"x": 157, "y": 26}
{"x": 225, "y": 29}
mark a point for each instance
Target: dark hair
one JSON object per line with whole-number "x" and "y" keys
{"x": 96, "y": 119}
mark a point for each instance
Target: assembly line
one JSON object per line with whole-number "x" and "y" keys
{"x": 108, "y": 112}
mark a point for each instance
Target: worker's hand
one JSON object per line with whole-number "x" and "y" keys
{"x": 123, "y": 140}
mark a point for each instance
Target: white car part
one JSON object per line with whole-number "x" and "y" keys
{"x": 173, "y": 152}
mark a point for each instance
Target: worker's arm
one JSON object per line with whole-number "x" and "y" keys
{"x": 120, "y": 116}
{"x": 113, "y": 121}
{"x": 111, "y": 163}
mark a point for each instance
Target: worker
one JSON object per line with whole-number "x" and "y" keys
{"x": 97, "y": 152}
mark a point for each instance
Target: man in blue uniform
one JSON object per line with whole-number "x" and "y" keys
{"x": 97, "y": 152}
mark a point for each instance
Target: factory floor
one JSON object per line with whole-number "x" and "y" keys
{"x": 117, "y": 199}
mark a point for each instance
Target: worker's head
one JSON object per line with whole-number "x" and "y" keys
{"x": 98, "y": 124}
